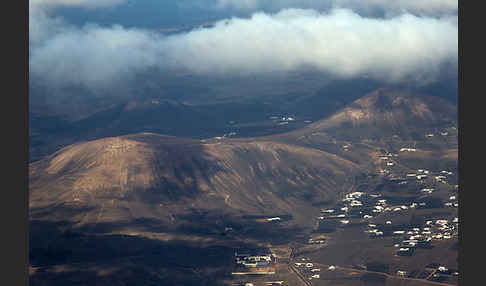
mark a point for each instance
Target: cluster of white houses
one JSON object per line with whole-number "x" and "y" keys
{"x": 452, "y": 203}
{"x": 363, "y": 201}
{"x": 421, "y": 237}
{"x": 420, "y": 174}
{"x": 250, "y": 261}
{"x": 309, "y": 269}
{"x": 315, "y": 241}
{"x": 366, "y": 206}
{"x": 438, "y": 230}
{"x": 282, "y": 118}
{"x": 353, "y": 201}
{"x": 408, "y": 150}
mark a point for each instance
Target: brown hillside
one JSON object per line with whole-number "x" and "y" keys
{"x": 386, "y": 112}
{"x": 153, "y": 176}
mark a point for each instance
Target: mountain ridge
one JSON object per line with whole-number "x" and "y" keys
{"x": 147, "y": 175}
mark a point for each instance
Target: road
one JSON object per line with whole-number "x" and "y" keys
{"x": 292, "y": 268}
{"x": 308, "y": 283}
{"x": 393, "y": 276}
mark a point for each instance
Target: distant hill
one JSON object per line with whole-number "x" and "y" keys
{"x": 387, "y": 112}
{"x": 196, "y": 108}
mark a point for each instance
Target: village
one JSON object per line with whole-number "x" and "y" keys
{"x": 254, "y": 263}
{"x": 375, "y": 213}
{"x": 377, "y": 210}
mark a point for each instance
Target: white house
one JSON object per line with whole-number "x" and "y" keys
{"x": 401, "y": 273}
{"x": 356, "y": 203}
{"x": 441, "y": 222}
{"x": 442, "y": 268}
{"x": 408, "y": 149}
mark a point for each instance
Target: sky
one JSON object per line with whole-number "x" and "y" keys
{"x": 364, "y": 7}
{"x": 393, "y": 41}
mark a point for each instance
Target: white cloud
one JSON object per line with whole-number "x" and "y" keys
{"x": 340, "y": 43}
{"x": 42, "y": 24}
{"x": 94, "y": 57}
{"x": 389, "y": 7}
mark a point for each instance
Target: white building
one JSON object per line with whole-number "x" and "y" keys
{"x": 401, "y": 273}
{"x": 408, "y": 149}
{"x": 356, "y": 203}
{"x": 442, "y": 268}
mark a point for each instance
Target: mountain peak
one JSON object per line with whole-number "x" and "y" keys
{"x": 388, "y": 111}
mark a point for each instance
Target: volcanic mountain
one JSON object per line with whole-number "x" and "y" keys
{"x": 165, "y": 179}
{"x": 384, "y": 113}
{"x": 144, "y": 175}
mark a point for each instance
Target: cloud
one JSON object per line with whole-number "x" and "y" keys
{"x": 42, "y": 24}
{"x": 366, "y": 7}
{"x": 340, "y": 43}
{"x": 94, "y": 57}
